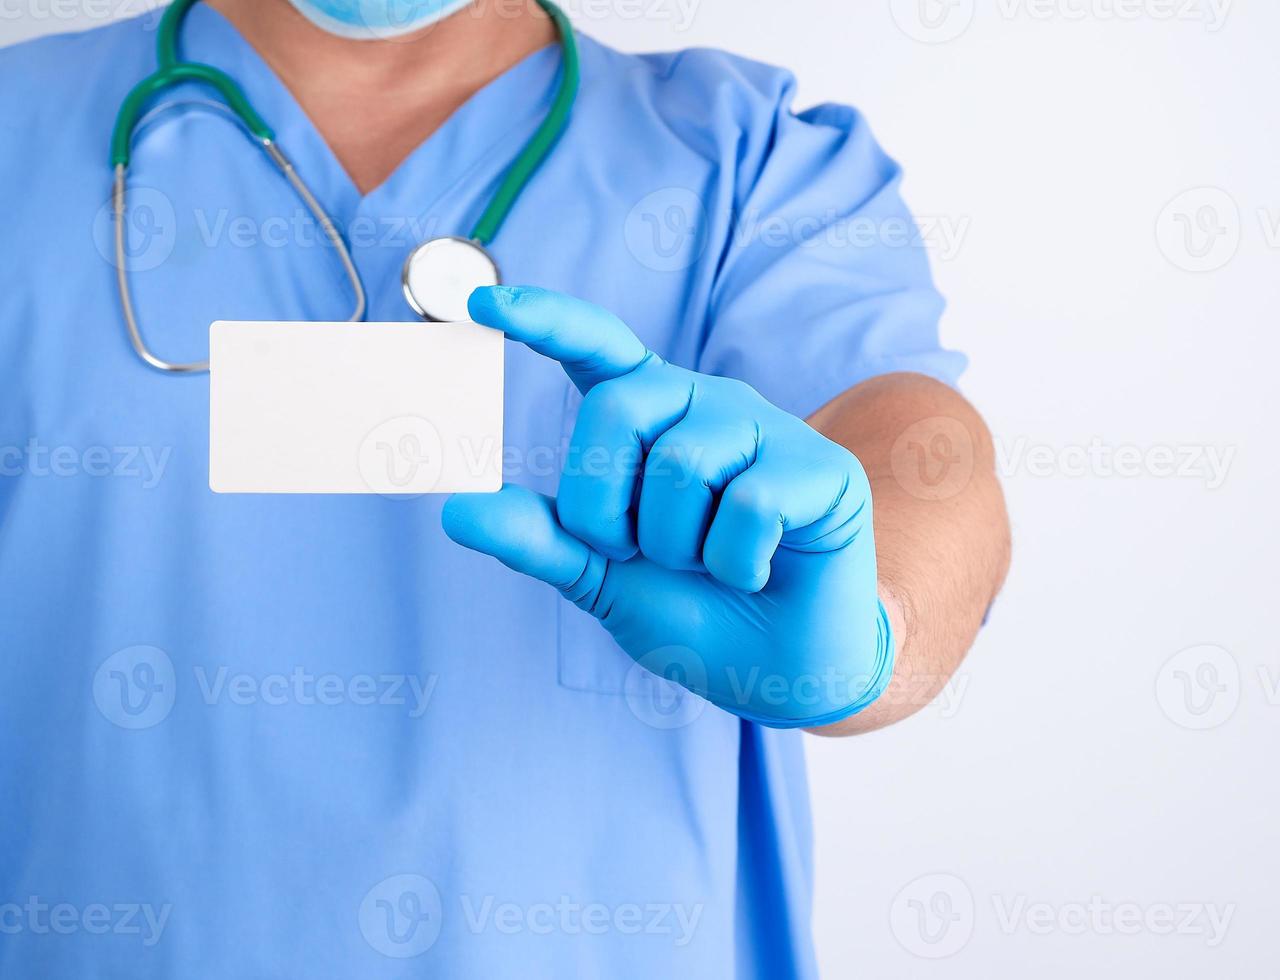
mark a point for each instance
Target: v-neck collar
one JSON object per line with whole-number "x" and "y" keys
{"x": 497, "y": 114}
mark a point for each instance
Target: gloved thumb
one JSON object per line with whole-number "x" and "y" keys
{"x": 520, "y": 529}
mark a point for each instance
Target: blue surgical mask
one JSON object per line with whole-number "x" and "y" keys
{"x": 368, "y": 20}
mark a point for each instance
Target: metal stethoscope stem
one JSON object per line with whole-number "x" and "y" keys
{"x": 119, "y": 207}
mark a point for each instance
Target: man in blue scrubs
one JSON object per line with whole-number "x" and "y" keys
{"x": 318, "y": 736}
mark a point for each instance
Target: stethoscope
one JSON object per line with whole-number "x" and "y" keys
{"x": 438, "y": 275}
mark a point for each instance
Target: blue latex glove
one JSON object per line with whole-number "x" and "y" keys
{"x": 724, "y": 543}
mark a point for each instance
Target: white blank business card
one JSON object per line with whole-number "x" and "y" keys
{"x": 388, "y": 408}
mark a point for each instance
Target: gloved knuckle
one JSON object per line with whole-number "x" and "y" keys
{"x": 577, "y": 521}
{"x": 614, "y": 399}
{"x": 604, "y": 532}
{"x": 732, "y": 571}
{"x": 844, "y": 465}
{"x": 659, "y": 548}
{"x": 734, "y": 389}
{"x": 679, "y": 462}
{"x": 755, "y": 498}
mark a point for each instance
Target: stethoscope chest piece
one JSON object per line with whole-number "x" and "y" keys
{"x": 439, "y": 276}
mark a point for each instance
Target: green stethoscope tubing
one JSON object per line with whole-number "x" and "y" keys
{"x": 173, "y": 71}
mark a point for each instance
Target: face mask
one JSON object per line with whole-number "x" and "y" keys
{"x": 369, "y": 20}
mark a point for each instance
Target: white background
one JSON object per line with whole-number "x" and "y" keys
{"x": 1069, "y": 773}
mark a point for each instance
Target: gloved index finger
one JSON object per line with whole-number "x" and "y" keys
{"x": 590, "y": 343}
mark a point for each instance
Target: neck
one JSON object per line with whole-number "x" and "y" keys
{"x": 374, "y": 102}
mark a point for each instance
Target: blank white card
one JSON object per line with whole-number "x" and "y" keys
{"x": 388, "y": 408}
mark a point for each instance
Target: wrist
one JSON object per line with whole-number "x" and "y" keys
{"x": 878, "y": 676}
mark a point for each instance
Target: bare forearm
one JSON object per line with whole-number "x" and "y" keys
{"x": 942, "y": 533}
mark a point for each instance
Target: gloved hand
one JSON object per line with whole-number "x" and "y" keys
{"x": 723, "y": 542}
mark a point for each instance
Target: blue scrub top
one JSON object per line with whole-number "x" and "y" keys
{"x": 308, "y": 736}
